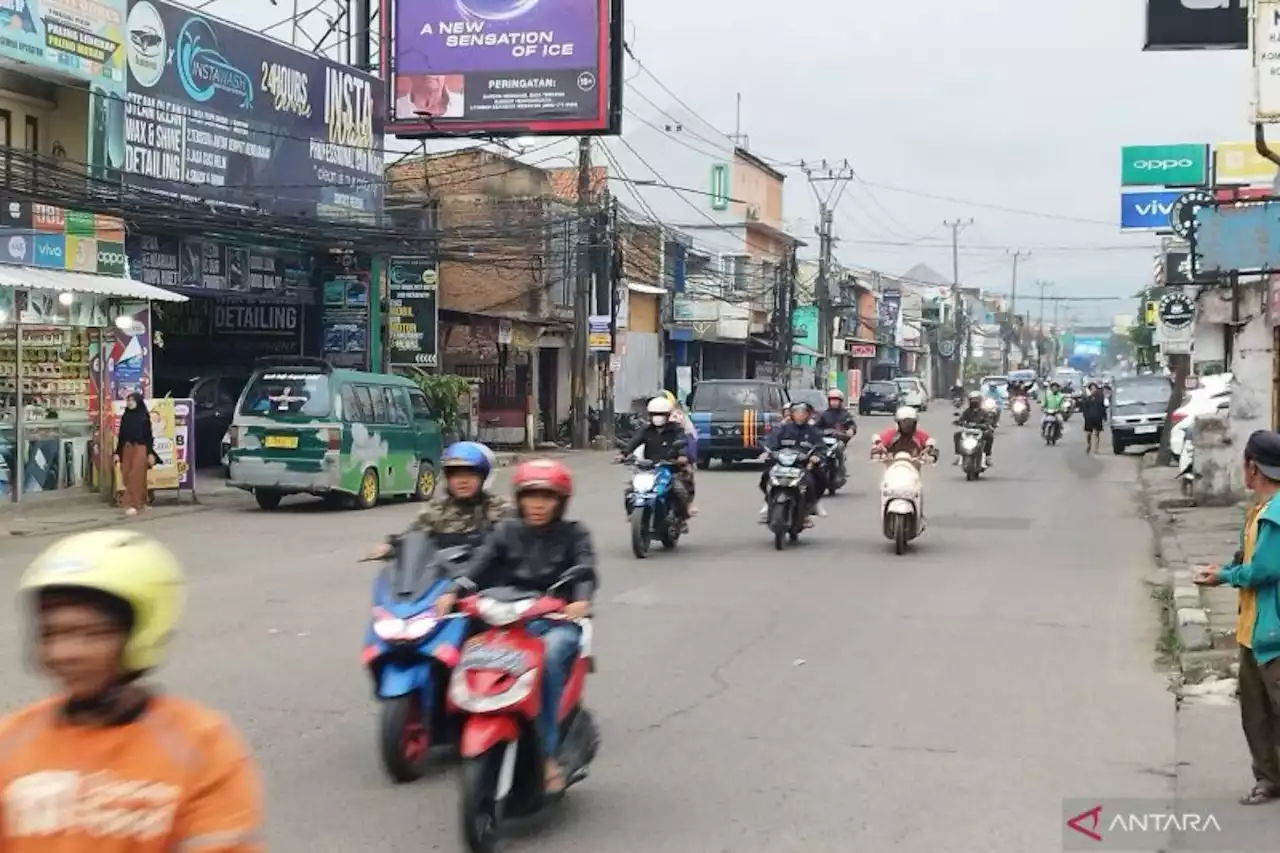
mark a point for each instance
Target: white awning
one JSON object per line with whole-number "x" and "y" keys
{"x": 646, "y": 288}
{"x": 81, "y": 282}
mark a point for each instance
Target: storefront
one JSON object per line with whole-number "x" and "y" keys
{"x": 70, "y": 343}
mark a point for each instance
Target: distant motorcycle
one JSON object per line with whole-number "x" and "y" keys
{"x": 1051, "y": 429}
{"x": 1068, "y": 406}
{"x": 1020, "y": 411}
{"x": 833, "y": 463}
{"x": 786, "y": 491}
{"x": 973, "y": 455}
{"x": 648, "y": 504}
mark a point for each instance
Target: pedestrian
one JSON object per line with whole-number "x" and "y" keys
{"x": 135, "y": 453}
{"x": 1255, "y": 571}
{"x": 107, "y": 764}
{"x": 1093, "y": 408}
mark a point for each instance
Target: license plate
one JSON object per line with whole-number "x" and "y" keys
{"x": 1146, "y": 430}
{"x": 283, "y": 442}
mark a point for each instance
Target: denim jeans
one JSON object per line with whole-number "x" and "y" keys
{"x": 560, "y": 642}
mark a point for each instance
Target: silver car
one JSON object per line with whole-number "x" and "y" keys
{"x": 913, "y": 392}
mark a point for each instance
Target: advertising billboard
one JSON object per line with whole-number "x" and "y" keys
{"x": 73, "y": 37}
{"x": 502, "y": 67}
{"x": 1197, "y": 24}
{"x": 50, "y": 237}
{"x": 1241, "y": 237}
{"x": 1240, "y": 163}
{"x": 1164, "y": 165}
{"x": 1147, "y": 211}
{"x": 218, "y": 113}
{"x": 413, "y": 310}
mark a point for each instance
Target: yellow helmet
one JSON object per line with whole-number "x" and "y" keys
{"x": 126, "y": 565}
{"x": 671, "y": 398}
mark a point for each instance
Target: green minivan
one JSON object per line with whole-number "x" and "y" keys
{"x": 304, "y": 427}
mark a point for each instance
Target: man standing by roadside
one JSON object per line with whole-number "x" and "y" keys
{"x": 1256, "y": 573}
{"x": 1093, "y": 408}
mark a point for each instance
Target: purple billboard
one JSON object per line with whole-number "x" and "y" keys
{"x": 501, "y": 67}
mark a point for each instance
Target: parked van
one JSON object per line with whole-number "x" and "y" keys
{"x": 304, "y": 427}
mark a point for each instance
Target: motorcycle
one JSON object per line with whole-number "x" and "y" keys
{"x": 833, "y": 461}
{"x": 1068, "y": 406}
{"x": 1051, "y": 429}
{"x": 496, "y": 683}
{"x": 786, "y": 491}
{"x": 992, "y": 408}
{"x": 901, "y": 499}
{"x": 648, "y": 503}
{"x": 409, "y": 652}
{"x": 973, "y": 453}
{"x": 1020, "y": 411}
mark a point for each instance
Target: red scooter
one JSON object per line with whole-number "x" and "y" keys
{"x": 497, "y": 684}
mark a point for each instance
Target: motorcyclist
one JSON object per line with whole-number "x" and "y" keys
{"x": 1052, "y": 404}
{"x": 837, "y": 418}
{"x": 976, "y": 417}
{"x": 664, "y": 440}
{"x": 467, "y": 506}
{"x": 904, "y": 437}
{"x": 957, "y": 392}
{"x": 800, "y": 429}
{"x": 537, "y": 551}
{"x": 109, "y": 764}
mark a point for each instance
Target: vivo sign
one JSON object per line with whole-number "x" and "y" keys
{"x": 1147, "y": 211}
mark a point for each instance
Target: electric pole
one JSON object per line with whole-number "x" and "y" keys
{"x": 961, "y": 353}
{"x": 581, "y": 300}
{"x": 837, "y": 178}
{"x": 1040, "y": 339}
{"x": 1013, "y": 307}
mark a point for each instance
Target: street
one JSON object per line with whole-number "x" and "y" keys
{"x": 832, "y": 697}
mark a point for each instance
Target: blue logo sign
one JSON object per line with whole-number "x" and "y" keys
{"x": 204, "y": 71}
{"x": 1147, "y": 211}
{"x": 51, "y": 251}
{"x": 16, "y": 246}
{"x": 1237, "y": 238}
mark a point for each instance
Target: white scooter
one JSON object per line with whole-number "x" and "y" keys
{"x": 902, "y": 496}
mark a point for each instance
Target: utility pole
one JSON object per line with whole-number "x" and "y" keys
{"x": 837, "y": 178}
{"x": 1013, "y": 307}
{"x": 1040, "y": 339}
{"x": 581, "y": 300}
{"x": 961, "y": 353}
{"x": 612, "y": 273}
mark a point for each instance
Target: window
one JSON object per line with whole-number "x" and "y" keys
{"x": 724, "y": 396}
{"x": 734, "y": 270}
{"x": 397, "y": 411}
{"x": 380, "y": 413}
{"x": 229, "y": 390}
{"x": 353, "y": 410}
{"x": 206, "y": 395}
{"x": 6, "y": 141}
{"x": 288, "y": 393}
{"x": 364, "y": 400}
{"x": 421, "y": 408}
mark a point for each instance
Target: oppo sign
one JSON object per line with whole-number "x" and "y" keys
{"x": 1164, "y": 165}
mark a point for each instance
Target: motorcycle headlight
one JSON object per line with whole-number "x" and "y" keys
{"x": 394, "y": 630}
{"x": 969, "y": 445}
{"x": 500, "y": 613}
{"x": 1019, "y": 407}
{"x": 644, "y": 481}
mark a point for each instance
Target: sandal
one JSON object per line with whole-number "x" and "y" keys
{"x": 1259, "y": 794}
{"x": 554, "y": 783}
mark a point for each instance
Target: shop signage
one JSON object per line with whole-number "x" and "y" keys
{"x": 1177, "y": 270}
{"x": 196, "y": 264}
{"x": 599, "y": 335}
{"x": 238, "y": 316}
{"x": 344, "y": 320}
{"x": 1197, "y": 24}
{"x": 1183, "y": 216}
{"x": 1240, "y": 163}
{"x": 68, "y": 37}
{"x": 1266, "y": 61}
{"x": 218, "y": 113}
{"x": 1164, "y": 165}
{"x": 864, "y": 351}
{"x": 1146, "y": 211}
{"x": 504, "y": 67}
{"x": 1237, "y": 238}
{"x": 1176, "y": 315}
{"x": 51, "y": 237}
{"x": 412, "y": 285}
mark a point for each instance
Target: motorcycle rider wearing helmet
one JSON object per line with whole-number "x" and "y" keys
{"x": 536, "y": 551}
{"x": 467, "y": 507}
{"x": 109, "y": 765}
{"x": 976, "y": 417}
{"x": 1052, "y": 403}
{"x": 839, "y": 420}
{"x": 802, "y": 430}
{"x": 664, "y": 440}
{"x": 904, "y": 437}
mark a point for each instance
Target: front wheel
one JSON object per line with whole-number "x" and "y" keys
{"x": 778, "y": 524}
{"x": 481, "y": 819}
{"x": 640, "y": 532}
{"x": 898, "y": 529}
{"x": 670, "y": 533}
{"x": 403, "y": 738}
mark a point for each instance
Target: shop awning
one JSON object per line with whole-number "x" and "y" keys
{"x": 646, "y": 288}
{"x": 81, "y": 282}
{"x": 801, "y": 349}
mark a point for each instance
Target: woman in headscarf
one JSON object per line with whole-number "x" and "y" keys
{"x": 135, "y": 448}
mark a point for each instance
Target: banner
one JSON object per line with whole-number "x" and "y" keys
{"x": 166, "y": 473}
{"x": 219, "y": 113}
{"x": 1197, "y": 24}
{"x": 1242, "y": 238}
{"x": 344, "y": 320}
{"x": 72, "y": 37}
{"x": 1164, "y": 165}
{"x": 1266, "y": 62}
{"x": 1240, "y": 163}
{"x": 1147, "y": 211}
{"x": 505, "y": 67}
{"x": 414, "y": 316}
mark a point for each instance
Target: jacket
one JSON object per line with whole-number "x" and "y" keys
{"x": 841, "y": 419}
{"x": 661, "y": 444}
{"x": 449, "y": 517}
{"x": 789, "y": 431}
{"x": 1052, "y": 401}
{"x": 1094, "y": 407}
{"x": 972, "y": 416}
{"x": 1261, "y": 575}
{"x": 535, "y": 558}
{"x": 135, "y": 428}
{"x": 892, "y": 440}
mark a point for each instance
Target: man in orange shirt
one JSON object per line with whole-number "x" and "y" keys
{"x": 107, "y": 765}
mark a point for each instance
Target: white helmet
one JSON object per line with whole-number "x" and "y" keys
{"x": 835, "y": 394}
{"x": 660, "y": 407}
{"x": 906, "y": 413}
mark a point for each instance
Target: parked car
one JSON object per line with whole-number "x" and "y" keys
{"x": 1138, "y": 410}
{"x": 1213, "y": 395}
{"x": 215, "y": 397}
{"x": 880, "y": 397}
{"x": 913, "y": 392}
{"x": 732, "y": 415}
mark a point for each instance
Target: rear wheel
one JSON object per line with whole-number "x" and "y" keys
{"x": 267, "y": 499}
{"x": 1117, "y": 446}
{"x": 426, "y": 486}
{"x": 403, "y": 738}
{"x": 640, "y": 533}
{"x": 479, "y": 806}
{"x": 704, "y": 462}
{"x": 367, "y": 496}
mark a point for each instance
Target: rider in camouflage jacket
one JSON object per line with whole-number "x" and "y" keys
{"x": 447, "y": 514}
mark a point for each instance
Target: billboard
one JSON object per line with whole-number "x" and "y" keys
{"x": 222, "y": 114}
{"x": 1197, "y": 24}
{"x": 414, "y": 316}
{"x": 1241, "y": 237}
{"x": 72, "y": 37}
{"x": 502, "y": 67}
{"x": 1240, "y": 163}
{"x": 1164, "y": 165}
{"x": 1147, "y": 211}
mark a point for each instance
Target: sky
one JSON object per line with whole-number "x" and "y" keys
{"x": 992, "y": 103}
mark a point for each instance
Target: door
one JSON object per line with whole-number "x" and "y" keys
{"x": 548, "y": 372}
{"x": 401, "y": 465}
{"x": 214, "y": 410}
{"x": 428, "y": 436}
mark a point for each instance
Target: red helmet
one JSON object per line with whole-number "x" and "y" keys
{"x": 542, "y": 475}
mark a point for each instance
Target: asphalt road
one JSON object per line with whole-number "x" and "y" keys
{"x": 833, "y": 697}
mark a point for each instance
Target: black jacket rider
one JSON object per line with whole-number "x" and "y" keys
{"x": 977, "y": 417}
{"x": 535, "y": 558}
{"x": 808, "y": 434}
{"x": 837, "y": 419}
{"x": 661, "y": 444}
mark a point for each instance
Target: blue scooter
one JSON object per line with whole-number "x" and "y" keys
{"x": 648, "y": 505}
{"x": 411, "y": 653}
